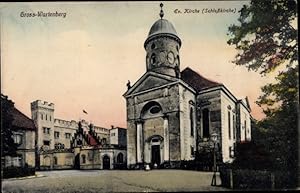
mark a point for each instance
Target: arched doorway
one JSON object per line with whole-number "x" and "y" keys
{"x": 155, "y": 153}
{"x": 120, "y": 158}
{"x": 47, "y": 162}
{"x": 77, "y": 162}
{"x": 106, "y": 162}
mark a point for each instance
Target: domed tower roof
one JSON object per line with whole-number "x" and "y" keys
{"x": 162, "y": 27}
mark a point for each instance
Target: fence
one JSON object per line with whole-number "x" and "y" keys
{"x": 255, "y": 179}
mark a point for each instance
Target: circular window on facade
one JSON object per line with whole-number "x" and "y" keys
{"x": 155, "y": 109}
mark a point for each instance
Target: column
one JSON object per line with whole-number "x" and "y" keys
{"x": 139, "y": 130}
{"x": 166, "y": 139}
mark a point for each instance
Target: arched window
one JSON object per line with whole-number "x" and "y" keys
{"x": 245, "y": 127}
{"x": 205, "y": 122}
{"x": 120, "y": 158}
{"x": 153, "y": 59}
{"x": 192, "y": 121}
{"x": 234, "y": 126}
{"x": 79, "y": 142}
{"x": 46, "y": 161}
{"x": 229, "y": 125}
{"x": 83, "y": 159}
{"x": 178, "y": 59}
{"x": 55, "y": 160}
{"x": 153, "y": 46}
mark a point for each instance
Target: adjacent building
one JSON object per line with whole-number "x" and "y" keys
{"x": 23, "y": 133}
{"x": 171, "y": 114}
{"x": 63, "y": 144}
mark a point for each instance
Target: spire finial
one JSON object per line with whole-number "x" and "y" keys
{"x": 161, "y": 14}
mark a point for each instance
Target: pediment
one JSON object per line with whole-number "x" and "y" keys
{"x": 148, "y": 81}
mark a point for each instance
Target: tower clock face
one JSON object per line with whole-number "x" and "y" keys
{"x": 171, "y": 57}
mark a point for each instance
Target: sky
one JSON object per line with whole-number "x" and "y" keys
{"x": 83, "y": 61}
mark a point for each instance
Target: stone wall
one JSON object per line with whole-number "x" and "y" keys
{"x": 167, "y": 97}
{"x": 244, "y": 123}
{"x": 131, "y": 143}
{"x": 56, "y": 160}
{"x": 187, "y": 135}
{"x": 42, "y": 113}
{"x": 92, "y": 159}
{"x": 122, "y": 137}
{"x": 228, "y": 140}
{"x": 210, "y": 100}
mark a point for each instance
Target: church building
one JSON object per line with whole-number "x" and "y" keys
{"x": 172, "y": 114}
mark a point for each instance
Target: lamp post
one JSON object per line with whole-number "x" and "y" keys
{"x": 214, "y": 138}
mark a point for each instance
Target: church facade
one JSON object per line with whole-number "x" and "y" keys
{"x": 171, "y": 114}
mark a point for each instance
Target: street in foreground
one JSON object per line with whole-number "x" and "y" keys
{"x": 114, "y": 181}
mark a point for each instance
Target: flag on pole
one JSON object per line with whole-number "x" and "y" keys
{"x": 84, "y": 112}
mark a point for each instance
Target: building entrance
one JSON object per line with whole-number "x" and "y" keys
{"x": 77, "y": 162}
{"x": 106, "y": 163}
{"x": 155, "y": 155}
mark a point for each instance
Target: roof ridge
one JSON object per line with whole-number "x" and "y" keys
{"x": 23, "y": 114}
{"x": 199, "y": 74}
{"x": 21, "y": 120}
{"x": 196, "y": 80}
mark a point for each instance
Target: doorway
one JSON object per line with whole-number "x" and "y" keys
{"x": 155, "y": 155}
{"x": 106, "y": 162}
{"x": 77, "y": 162}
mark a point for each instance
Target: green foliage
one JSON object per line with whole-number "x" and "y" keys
{"x": 283, "y": 93}
{"x": 260, "y": 158}
{"x": 266, "y": 38}
{"x": 7, "y": 142}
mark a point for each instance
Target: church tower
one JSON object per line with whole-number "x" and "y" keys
{"x": 162, "y": 46}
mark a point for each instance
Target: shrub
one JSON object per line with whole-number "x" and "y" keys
{"x": 251, "y": 156}
{"x": 13, "y": 172}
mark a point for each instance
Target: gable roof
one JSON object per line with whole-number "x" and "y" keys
{"x": 91, "y": 140}
{"x": 197, "y": 81}
{"x": 150, "y": 74}
{"x": 245, "y": 102}
{"x": 21, "y": 121}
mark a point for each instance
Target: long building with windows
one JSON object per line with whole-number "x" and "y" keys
{"x": 63, "y": 144}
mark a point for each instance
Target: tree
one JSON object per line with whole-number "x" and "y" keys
{"x": 266, "y": 40}
{"x": 8, "y": 146}
{"x": 266, "y": 37}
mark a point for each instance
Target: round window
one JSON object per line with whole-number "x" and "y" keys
{"x": 154, "y": 109}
